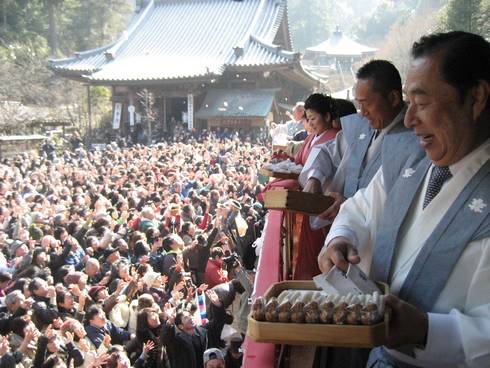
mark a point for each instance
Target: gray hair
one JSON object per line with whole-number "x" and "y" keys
{"x": 92, "y": 262}
{"x": 13, "y": 297}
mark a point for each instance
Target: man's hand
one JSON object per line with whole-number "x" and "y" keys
{"x": 4, "y": 345}
{"x": 81, "y": 302}
{"x": 313, "y": 186}
{"x": 213, "y": 297}
{"x": 49, "y": 332}
{"x": 331, "y": 212}
{"x": 68, "y": 339}
{"x": 339, "y": 252}
{"x": 107, "y": 340}
{"x": 202, "y": 288}
{"x": 408, "y": 325}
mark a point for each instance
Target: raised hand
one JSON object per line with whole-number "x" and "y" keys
{"x": 4, "y": 345}
{"x": 213, "y": 297}
{"x": 179, "y": 286}
{"x": 68, "y": 338}
{"x": 148, "y": 346}
{"x": 202, "y": 288}
{"x": 49, "y": 332}
{"x": 81, "y": 301}
{"x": 99, "y": 360}
{"x": 107, "y": 340}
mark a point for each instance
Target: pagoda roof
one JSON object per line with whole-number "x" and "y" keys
{"x": 340, "y": 45}
{"x": 190, "y": 39}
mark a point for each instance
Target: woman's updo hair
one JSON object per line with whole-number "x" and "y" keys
{"x": 322, "y": 104}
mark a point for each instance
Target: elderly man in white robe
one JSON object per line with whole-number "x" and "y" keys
{"x": 424, "y": 228}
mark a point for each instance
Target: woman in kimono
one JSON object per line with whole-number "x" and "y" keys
{"x": 321, "y": 111}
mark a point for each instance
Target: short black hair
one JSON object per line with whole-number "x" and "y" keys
{"x": 385, "y": 76}
{"x": 216, "y": 252}
{"x": 34, "y": 284}
{"x": 322, "y": 104}
{"x": 5, "y": 276}
{"x": 344, "y": 107}
{"x": 465, "y": 58}
{"x": 92, "y": 312}
{"x": 178, "y": 318}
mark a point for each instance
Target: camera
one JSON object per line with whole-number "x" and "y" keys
{"x": 188, "y": 280}
{"x": 231, "y": 261}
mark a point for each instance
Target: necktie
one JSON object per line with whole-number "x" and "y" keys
{"x": 376, "y": 133}
{"x": 438, "y": 176}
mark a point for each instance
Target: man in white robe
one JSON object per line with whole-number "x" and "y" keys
{"x": 438, "y": 256}
{"x": 349, "y": 162}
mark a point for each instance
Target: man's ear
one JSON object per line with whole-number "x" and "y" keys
{"x": 480, "y": 95}
{"x": 395, "y": 98}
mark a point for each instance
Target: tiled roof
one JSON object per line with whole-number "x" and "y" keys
{"x": 236, "y": 103}
{"x": 176, "y": 39}
{"x": 340, "y": 45}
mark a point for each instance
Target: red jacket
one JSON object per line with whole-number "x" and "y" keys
{"x": 214, "y": 274}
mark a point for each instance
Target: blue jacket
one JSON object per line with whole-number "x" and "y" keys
{"x": 96, "y": 335}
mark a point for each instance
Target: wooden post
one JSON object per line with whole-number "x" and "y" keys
{"x": 164, "y": 113}
{"x": 89, "y": 111}
{"x": 190, "y": 111}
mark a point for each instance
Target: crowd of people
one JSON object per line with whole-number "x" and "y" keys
{"x": 144, "y": 256}
{"x": 139, "y": 256}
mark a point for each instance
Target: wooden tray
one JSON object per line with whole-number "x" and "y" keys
{"x": 279, "y": 175}
{"x": 297, "y": 201}
{"x": 279, "y": 147}
{"x": 315, "y": 334}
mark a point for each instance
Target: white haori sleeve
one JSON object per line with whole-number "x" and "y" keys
{"x": 323, "y": 161}
{"x": 466, "y": 329}
{"x": 462, "y": 336}
{"x": 359, "y": 217}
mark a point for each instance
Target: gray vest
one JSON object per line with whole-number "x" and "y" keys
{"x": 400, "y": 142}
{"x": 440, "y": 253}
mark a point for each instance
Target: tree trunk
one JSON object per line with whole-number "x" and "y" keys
{"x": 52, "y": 31}
{"x": 4, "y": 13}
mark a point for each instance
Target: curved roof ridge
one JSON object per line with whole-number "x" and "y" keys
{"x": 275, "y": 48}
{"x": 80, "y": 54}
{"x": 289, "y": 39}
{"x": 111, "y": 53}
{"x": 243, "y": 42}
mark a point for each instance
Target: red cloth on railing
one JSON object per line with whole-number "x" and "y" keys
{"x": 258, "y": 355}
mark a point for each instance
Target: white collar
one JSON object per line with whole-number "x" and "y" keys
{"x": 479, "y": 156}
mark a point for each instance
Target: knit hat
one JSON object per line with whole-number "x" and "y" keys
{"x": 35, "y": 233}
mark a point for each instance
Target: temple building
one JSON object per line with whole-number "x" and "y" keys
{"x": 339, "y": 50}
{"x": 207, "y": 63}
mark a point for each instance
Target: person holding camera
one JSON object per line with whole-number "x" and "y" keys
{"x": 215, "y": 274}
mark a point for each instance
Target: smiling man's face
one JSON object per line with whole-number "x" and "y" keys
{"x": 442, "y": 120}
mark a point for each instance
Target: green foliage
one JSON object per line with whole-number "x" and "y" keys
{"x": 31, "y": 31}
{"x": 460, "y": 15}
{"x": 374, "y": 26}
{"x": 466, "y": 15}
{"x": 91, "y": 23}
{"x": 310, "y": 23}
